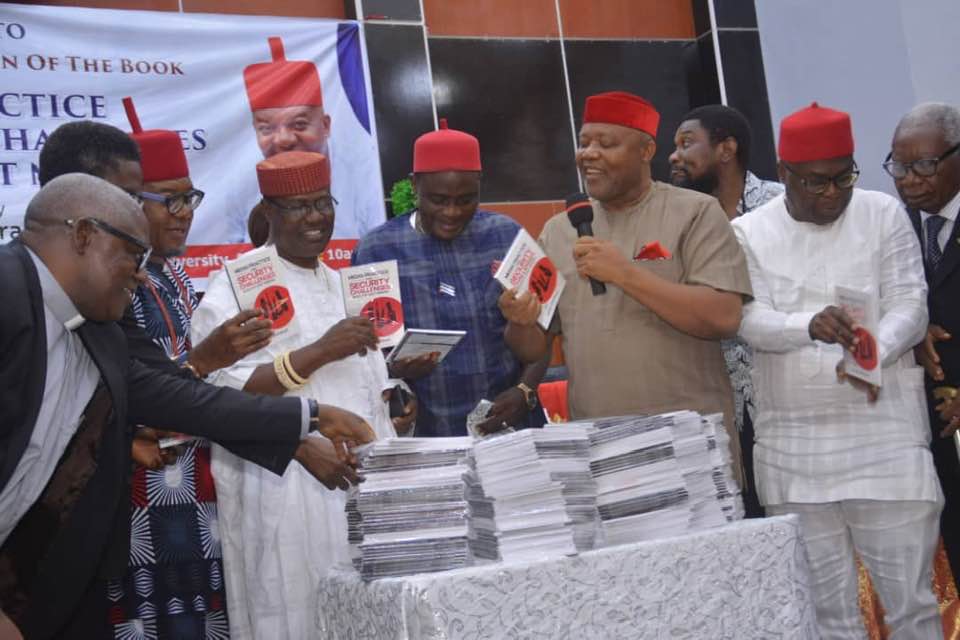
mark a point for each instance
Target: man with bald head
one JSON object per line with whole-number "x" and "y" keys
{"x": 925, "y": 166}
{"x": 67, "y": 390}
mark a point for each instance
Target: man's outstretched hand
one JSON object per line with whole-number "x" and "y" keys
{"x": 320, "y": 457}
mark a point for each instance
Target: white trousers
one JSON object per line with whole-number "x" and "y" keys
{"x": 896, "y": 540}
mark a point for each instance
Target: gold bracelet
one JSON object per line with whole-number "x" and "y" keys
{"x": 282, "y": 375}
{"x": 288, "y": 365}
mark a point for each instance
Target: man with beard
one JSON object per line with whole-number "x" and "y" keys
{"x": 286, "y": 101}
{"x": 925, "y": 165}
{"x": 711, "y": 156}
{"x": 851, "y": 459}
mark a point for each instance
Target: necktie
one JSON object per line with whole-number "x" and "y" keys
{"x": 934, "y": 255}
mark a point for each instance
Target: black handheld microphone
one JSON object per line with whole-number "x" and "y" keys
{"x": 580, "y": 214}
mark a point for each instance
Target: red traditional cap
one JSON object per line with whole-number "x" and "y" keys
{"x": 446, "y": 150}
{"x": 161, "y": 151}
{"x": 815, "y": 133}
{"x": 625, "y": 109}
{"x": 293, "y": 173}
{"x": 282, "y": 82}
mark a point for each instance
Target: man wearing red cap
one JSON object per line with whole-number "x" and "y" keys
{"x": 280, "y": 536}
{"x": 676, "y": 279}
{"x": 447, "y": 252}
{"x": 288, "y": 115}
{"x": 851, "y": 459}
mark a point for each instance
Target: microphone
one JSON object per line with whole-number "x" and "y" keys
{"x": 580, "y": 214}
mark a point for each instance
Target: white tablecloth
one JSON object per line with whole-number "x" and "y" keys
{"x": 746, "y": 580}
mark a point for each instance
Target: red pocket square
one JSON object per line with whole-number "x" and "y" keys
{"x": 653, "y": 251}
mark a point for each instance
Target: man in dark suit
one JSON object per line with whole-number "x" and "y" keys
{"x": 67, "y": 390}
{"x": 925, "y": 165}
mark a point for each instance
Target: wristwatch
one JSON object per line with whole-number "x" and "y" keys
{"x": 529, "y": 395}
{"x": 314, "y": 407}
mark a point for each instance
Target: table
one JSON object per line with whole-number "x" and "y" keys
{"x": 746, "y": 580}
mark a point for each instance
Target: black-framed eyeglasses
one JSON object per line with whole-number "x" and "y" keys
{"x": 144, "y": 250}
{"x": 177, "y": 202}
{"x": 136, "y": 197}
{"x": 324, "y": 204}
{"x": 924, "y": 167}
{"x": 816, "y": 185}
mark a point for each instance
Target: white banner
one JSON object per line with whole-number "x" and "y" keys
{"x": 185, "y": 72}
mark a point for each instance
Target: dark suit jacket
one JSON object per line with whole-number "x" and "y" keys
{"x": 95, "y": 534}
{"x": 270, "y": 455}
{"x": 943, "y": 302}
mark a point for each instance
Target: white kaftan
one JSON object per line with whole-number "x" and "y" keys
{"x": 280, "y": 535}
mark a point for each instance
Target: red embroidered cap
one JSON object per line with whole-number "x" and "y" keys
{"x": 625, "y": 109}
{"x": 282, "y": 82}
{"x": 161, "y": 150}
{"x": 815, "y": 133}
{"x": 446, "y": 150}
{"x": 293, "y": 173}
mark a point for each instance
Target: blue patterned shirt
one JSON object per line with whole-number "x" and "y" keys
{"x": 450, "y": 285}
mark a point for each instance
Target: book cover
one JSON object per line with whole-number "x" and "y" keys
{"x": 864, "y": 309}
{"x": 373, "y": 290}
{"x": 527, "y": 268}
{"x": 416, "y": 342}
{"x": 257, "y": 278}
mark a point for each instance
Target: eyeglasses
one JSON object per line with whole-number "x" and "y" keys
{"x": 817, "y": 185}
{"x": 136, "y": 197}
{"x": 303, "y": 207}
{"x": 176, "y": 203}
{"x": 924, "y": 167}
{"x": 142, "y": 257}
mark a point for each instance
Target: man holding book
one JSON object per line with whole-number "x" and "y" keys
{"x": 676, "y": 280}
{"x": 849, "y": 455}
{"x": 281, "y": 535}
{"x": 448, "y": 251}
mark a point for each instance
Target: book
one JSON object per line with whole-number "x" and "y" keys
{"x": 416, "y": 342}
{"x": 864, "y": 309}
{"x": 373, "y": 290}
{"x": 257, "y": 279}
{"x": 527, "y": 268}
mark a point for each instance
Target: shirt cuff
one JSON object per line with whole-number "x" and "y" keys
{"x": 304, "y": 417}
{"x": 796, "y": 330}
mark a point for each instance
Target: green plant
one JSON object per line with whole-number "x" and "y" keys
{"x": 402, "y": 197}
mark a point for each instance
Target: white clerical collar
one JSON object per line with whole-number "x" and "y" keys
{"x": 54, "y": 297}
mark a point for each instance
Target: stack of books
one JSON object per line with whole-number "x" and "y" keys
{"x": 693, "y": 453}
{"x": 641, "y": 493}
{"x": 519, "y": 491}
{"x": 725, "y": 484}
{"x": 410, "y": 513}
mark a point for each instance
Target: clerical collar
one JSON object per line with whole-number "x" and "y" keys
{"x": 54, "y": 297}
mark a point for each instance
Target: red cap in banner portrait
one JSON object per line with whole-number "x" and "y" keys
{"x": 282, "y": 82}
{"x": 815, "y": 133}
{"x": 446, "y": 150}
{"x": 161, "y": 150}
{"x": 293, "y": 173}
{"x": 624, "y": 109}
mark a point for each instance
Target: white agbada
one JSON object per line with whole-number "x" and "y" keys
{"x": 817, "y": 440}
{"x": 281, "y": 535}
